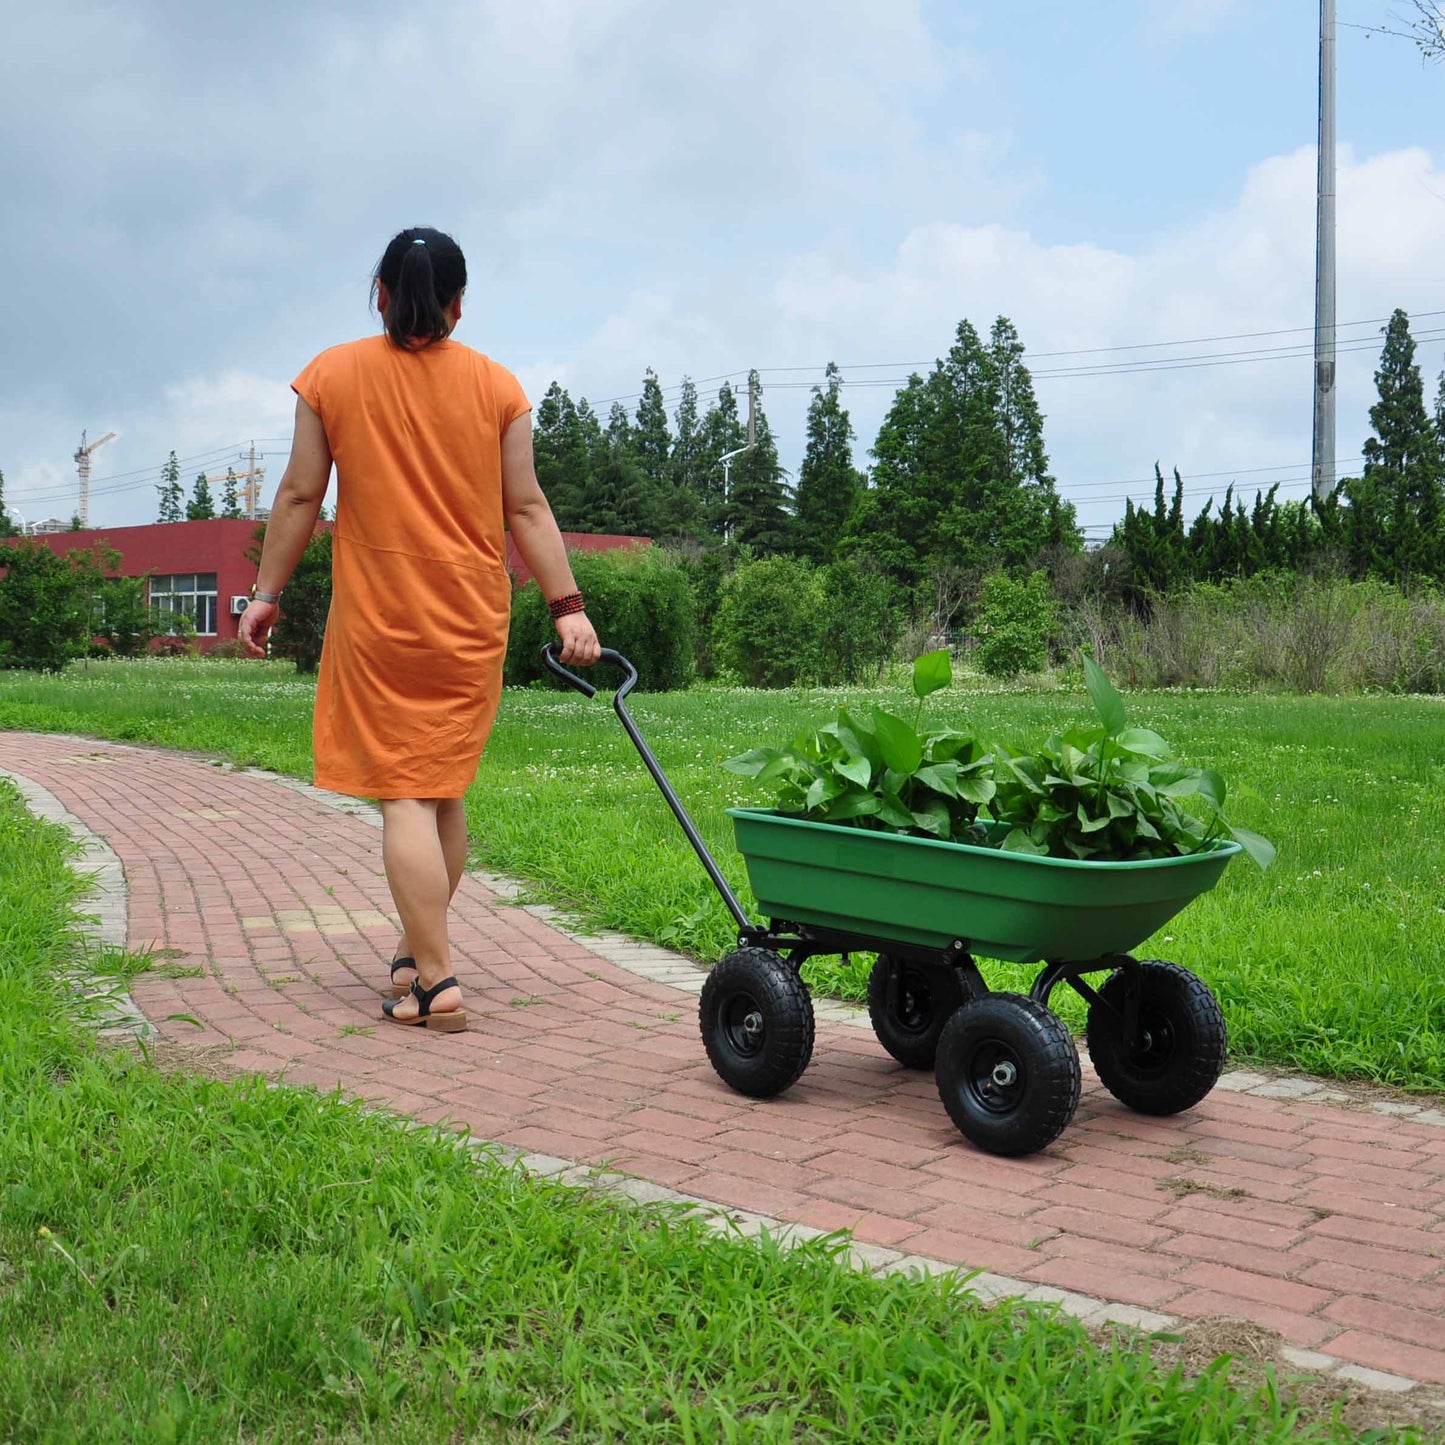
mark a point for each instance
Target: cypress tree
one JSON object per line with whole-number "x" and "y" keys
{"x": 651, "y": 440}
{"x": 561, "y": 457}
{"x": 757, "y": 514}
{"x": 172, "y": 497}
{"x": 230, "y": 494}
{"x": 828, "y": 484}
{"x": 721, "y": 432}
{"x": 200, "y": 508}
{"x": 685, "y": 466}
{"x": 1403, "y": 461}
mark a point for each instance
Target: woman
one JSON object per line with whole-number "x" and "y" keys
{"x": 433, "y": 454}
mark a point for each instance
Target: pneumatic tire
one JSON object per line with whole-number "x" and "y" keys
{"x": 756, "y": 1018}
{"x": 923, "y": 1000}
{"x": 1008, "y": 1073}
{"x": 1180, "y": 1053}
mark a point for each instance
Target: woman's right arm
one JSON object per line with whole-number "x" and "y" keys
{"x": 534, "y": 529}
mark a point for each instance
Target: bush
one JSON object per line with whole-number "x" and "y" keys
{"x": 305, "y": 606}
{"x": 47, "y": 607}
{"x": 770, "y": 621}
{"x": 638, "y": 599}
{"x": 126, "y": 625}
{"x": 228, "y": 650}
{"x": 859, "y": 620}
{"x": 1015, "y": 623}
{"x": 706, "y": 572}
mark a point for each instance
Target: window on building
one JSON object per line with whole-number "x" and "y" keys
{"x": 191, "y": 594}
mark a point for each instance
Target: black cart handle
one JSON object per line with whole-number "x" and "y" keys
{"x": 553, "y": 665}
{"x": 619, "y": 704}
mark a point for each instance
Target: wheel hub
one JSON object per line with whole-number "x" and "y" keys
{"x": 743, "y": 1025}
{"x": 996, "y": 1078}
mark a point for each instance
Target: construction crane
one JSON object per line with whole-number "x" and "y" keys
{"x": 82, "y": 466}
{"x": 253, "y": 476}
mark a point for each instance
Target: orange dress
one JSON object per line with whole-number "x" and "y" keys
{"x": 411, "y": 670}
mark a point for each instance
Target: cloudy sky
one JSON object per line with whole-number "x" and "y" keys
{"x": 192, "y": 197}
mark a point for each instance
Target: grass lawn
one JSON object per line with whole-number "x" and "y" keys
{"x": 193, "y": 1260}
{"x": 1334, "y": 961}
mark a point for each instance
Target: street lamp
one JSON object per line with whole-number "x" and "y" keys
{"x": 726, "y": 463}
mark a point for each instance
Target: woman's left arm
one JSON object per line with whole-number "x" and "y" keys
{"x": 291, "y": 525}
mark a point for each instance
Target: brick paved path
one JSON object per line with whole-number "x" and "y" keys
{"x": 1324, "y": 1223}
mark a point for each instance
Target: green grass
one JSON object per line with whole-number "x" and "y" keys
{"x": 1333, "y": 962}
{"x": 189, "y": 1260}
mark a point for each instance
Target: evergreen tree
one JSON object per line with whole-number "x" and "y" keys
{"x": 687, "y": 446}
{"x": 1440, "y": 414}
{"x": 619, "y": 432}
{"x": 7, "y": 527}
{"x": 757, "y": 513}
{"x": 200, "y": 508}
{"x": 1403, "y": 463}
{"x": 230, "y": 494}
{"x": 620, "y": 499}
{"x": 651, "y": 440}
{"x": 828, "y": 484}
{"x": 960, "y": 475}
{"x": 172, "y": 497}
{"x": 721, "y": 432}
{"x": 562, "y": 457}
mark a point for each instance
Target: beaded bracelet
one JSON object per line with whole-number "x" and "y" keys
{"x": 566, "y": 606}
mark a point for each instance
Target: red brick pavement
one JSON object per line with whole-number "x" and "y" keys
{"x": 1324, "y": 1224}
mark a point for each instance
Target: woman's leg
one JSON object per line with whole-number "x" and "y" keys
{"x": 451, "y": 819}
{"x": 417, "y": 871}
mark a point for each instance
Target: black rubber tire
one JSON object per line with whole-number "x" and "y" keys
{"x": 1186, "y": 1040}
{"x": 926, "y": 1000}
{"x": 1022, "y": 1115}
{"x": 756, "y": 1018}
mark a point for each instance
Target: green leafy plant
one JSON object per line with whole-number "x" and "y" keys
{"x": 1111, "y": 792}
{"x": 878, "y": 771}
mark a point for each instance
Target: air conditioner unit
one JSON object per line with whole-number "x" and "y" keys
{"x": 239, "y": 605}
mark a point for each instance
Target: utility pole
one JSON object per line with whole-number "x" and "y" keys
{"x": 251, "y": 488}
{"x": 82, "y": 471}
{"x": 1323, "y": 467}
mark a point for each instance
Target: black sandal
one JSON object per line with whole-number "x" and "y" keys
{"x": 453, "y": 1022}
{"x": 400, "y": 990}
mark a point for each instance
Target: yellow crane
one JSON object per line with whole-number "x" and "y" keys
{"x": 82, "y": 466}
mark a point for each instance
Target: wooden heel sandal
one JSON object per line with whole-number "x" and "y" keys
{"x": 452, "y": 1022}
{"x": 400, "y": 990}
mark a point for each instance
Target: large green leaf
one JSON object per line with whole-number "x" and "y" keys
{"x": 852, "y": 804}
{"x": 749, "y": 765}
{"x": 892, "y": 812}
{"x": 932, "y": 671}
{"x": 899, "y": 743}
{"x": 1018, "y": 841}
{"x": 856, "y": 769}
{"x": 1258, "y": 847}
{"x": 1142, "y": 740}
{"x": 1107, "y": 702}
{"x": 941, "y": 777}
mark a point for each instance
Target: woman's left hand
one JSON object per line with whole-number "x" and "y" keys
{"x": 580, "y": 646}
{"x": 256, "y": 623}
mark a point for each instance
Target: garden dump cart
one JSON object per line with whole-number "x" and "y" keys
{"x": 1006, "y": 1066}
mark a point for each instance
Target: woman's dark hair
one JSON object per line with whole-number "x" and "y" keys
{"x": 423, "y": 271}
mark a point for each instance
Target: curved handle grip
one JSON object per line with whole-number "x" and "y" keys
{"x": 550, "y": 662}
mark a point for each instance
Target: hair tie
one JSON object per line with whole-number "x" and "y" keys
{"x": 418, "y": 240}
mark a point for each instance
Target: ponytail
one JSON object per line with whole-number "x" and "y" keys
{"x": 423, "y": 271}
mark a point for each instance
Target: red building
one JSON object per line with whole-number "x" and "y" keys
{"x": 201, "y": 568}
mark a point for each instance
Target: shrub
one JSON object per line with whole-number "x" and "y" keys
{"x": 706, "y": 573}
{"x": 231, "y": 648}
{"x": 126, "y": 624}
{"x": 305, "y": 605}
{"x": 769, "y": 622}
{"x": 46, "y": 607}
{"x": 859, "y": 621}
{"x": 1015, "y": 623}
{"x": 638, "y": 599}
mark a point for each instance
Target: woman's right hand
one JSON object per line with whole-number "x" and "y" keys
{"x": 580, "y": 646}
{"x": 256, "y": 623}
